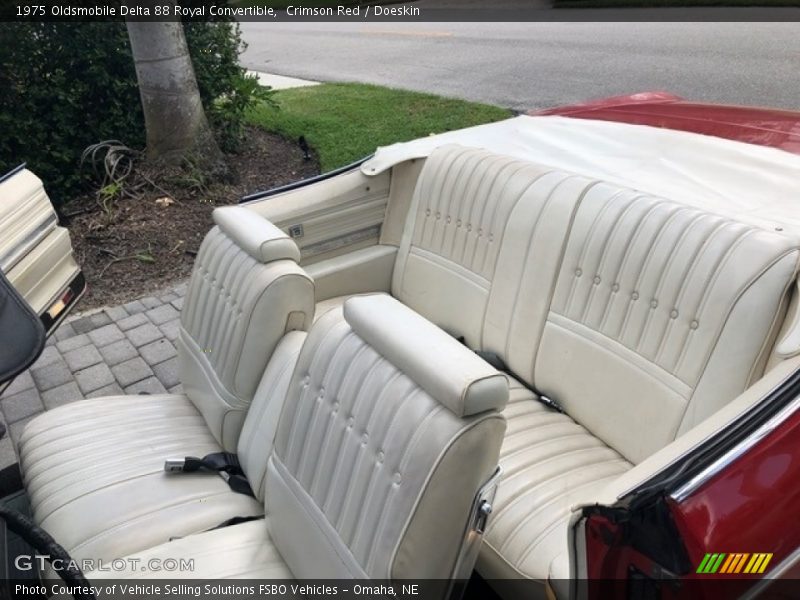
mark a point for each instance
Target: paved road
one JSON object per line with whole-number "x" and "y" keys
{"x": 532, "y": 65}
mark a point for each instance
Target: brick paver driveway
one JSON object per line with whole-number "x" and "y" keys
{"x": 126, "y": 349}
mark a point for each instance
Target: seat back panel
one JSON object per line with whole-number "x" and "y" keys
{"x": 448, "y": 254}
{"x": 529, "y": 260}
{"x": 646, "y": 292}
{"x": 357, "y": 451}
{"x": 236, "y": 311}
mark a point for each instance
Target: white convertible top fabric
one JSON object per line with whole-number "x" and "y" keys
{"x": 754, "y": 184}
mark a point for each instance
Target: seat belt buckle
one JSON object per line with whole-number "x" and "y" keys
{"x": 550, "y": 403}
{"x": 174, "y": 465}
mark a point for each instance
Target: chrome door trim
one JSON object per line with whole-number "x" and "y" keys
{"x": 10, "y": 258}
{"x": 736, "y": 452}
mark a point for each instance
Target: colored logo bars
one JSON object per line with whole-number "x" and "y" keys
{"x": 734, "y": 563}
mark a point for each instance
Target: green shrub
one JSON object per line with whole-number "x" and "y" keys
{"x": 64, "y": 86}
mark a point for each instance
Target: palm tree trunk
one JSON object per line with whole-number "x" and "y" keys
{"x": 175, "y": 121}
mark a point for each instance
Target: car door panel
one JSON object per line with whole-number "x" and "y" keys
{"x": 26, "y": 216}
{"x": 35, "y": 252}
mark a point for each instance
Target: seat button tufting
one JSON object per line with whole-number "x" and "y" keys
{"x": 397, "y": 479}
{"x": 654, "y": 303}
{"x": 597, "y": 279}
{"x": 381, "y": 457}
{"x": 674, "y": 314}
{"x": 635, "y": 295}
{"x": 615, "y": 287}
{"x": 694, "y": 325}
{"x": 578, "y": 272}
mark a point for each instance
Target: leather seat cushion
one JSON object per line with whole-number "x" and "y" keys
{"x": 549, "y": 463}
{"x": 243, "y": 551}
{"x": 94, "y": 472}
{"x": 324, "y": 306}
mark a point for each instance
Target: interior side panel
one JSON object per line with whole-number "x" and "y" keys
{"x": 332, "y": 217}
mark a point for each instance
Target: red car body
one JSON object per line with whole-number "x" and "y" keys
{"x": 750, "y": 501}
{"x": 761, "y": 126}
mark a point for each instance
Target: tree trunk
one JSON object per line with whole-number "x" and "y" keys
{"x": 174, "y": 118}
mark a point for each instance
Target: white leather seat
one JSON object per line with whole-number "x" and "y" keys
{"x": 623, "y": 307}
{"x": 242, "y": 551}
{"x": 550, "y": 463}
{"x": 94, "y": 469}
{"x": 97, "y": 484}
{"x": 388, "y": 431}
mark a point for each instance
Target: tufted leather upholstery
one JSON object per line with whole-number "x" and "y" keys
{"x": 364, "y": 456}
{"x": 661, "y": 314}
{"x": 550, "y": 463}
{"x": 623, "y": 307}
{"x": 243, "y": 551}
{"x": 236, "y": 310}
{"x": 94, "y": 472}
{"x": 94, "y": 469}
{"x": 465, "y": 204}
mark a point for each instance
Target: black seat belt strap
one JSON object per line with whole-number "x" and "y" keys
{"x": 498, "y": 363}
{"x": 226, "y": 464}
{"x": 236, "y": 521}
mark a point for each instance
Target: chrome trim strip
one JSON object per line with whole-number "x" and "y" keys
{"x": 13, "y": 172}
{"x": 736, "y": 452}
{"x": 12, "y": 257}
{"x": 340, "y": 242}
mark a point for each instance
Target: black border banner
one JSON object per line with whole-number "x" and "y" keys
{"x": 418, "y": 11}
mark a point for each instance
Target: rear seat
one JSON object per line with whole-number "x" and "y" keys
{"x": 639, "y": 316}
{"x": 388, "y": 431}
{"x": 660, "y": 315}
{"x": 94, "y": 470}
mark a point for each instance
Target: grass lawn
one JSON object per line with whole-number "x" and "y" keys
{"x": 347, "y": 121}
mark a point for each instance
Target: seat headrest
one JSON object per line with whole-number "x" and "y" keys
{"x": 255, "y": 235}
{"x": 447, "y": 370}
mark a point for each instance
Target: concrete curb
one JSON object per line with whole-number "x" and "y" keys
{"x": 280, "y": 82}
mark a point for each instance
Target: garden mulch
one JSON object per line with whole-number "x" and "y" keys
{"x": 139, "y": 245}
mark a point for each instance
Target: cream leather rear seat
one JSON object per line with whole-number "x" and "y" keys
{"x": 660, "y": 315}
{"x": 94, "y": 469}
{"x": 388, "y": 430}
{"x": 638, "y": 315}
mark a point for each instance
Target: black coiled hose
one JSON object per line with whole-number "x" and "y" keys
{"x": 44, "y": 544}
